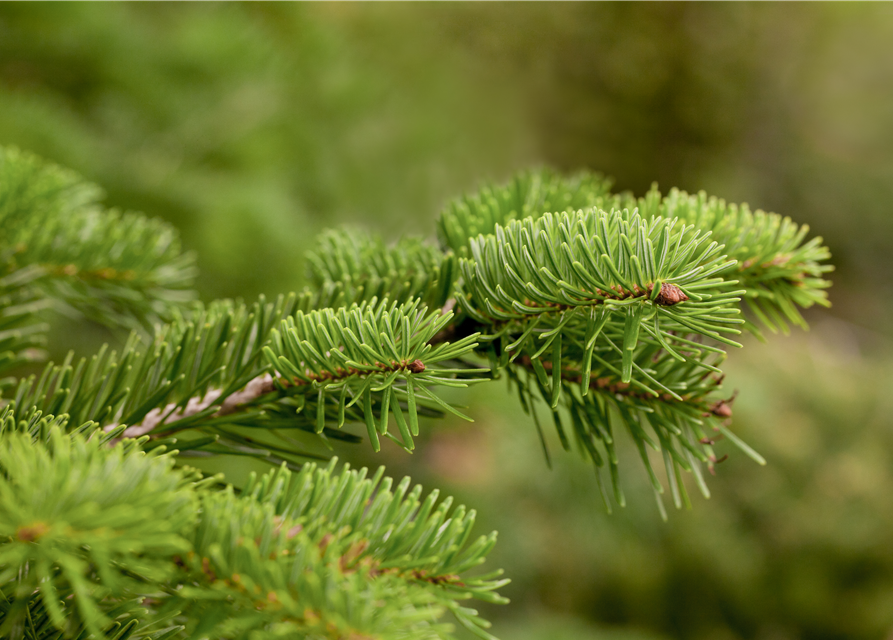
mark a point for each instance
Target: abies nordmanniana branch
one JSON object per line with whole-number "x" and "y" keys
{"x": 624, "y": 311}
{"x": 610, "y": 313}
{"x": 119, "y": 543}
{"x": 777, "y": 270}
{"x": 58, "y": 242}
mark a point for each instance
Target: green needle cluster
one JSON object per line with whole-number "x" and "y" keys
{"x": 611, "y": 313}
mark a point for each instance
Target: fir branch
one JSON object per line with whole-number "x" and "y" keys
{"x": 179, "y": 378}
{"x": 32, "y": 188}
{"x": 530, "y": 193}
{"x": 608, "y": 309}
{"x": 584, "y": 272}
{"x": 612, "y": 385}
{"x": 395, "y": 561}
{"x": 365, "y": 267}
{"x": 681, "y": 424}
{"x": 778, "y": 268}
{"x": 316, "y": 553}
{"x": 569, "y": 260}
{"x": 116, "y": 268}
{"x": 21, "y": 337}
{"x": 205, "y": 373}
{"x": 83, "y": 518}
{"x": 377, "y": 347}
{"x": 251, "y": 571}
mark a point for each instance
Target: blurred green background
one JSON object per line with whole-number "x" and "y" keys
{"x": 252, "y": 127}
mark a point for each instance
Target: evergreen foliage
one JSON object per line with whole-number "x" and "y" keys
{"x": 365, "y": 267}
{"x": 115, "y": 267}
{"x": 611, "y": 312}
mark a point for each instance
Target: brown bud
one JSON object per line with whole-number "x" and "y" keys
{"x": 669, "y": 295}
{"x": 207, "y": 570}
{"x": 721, "y": 410}
{"x": 31, "y": 533}
{"x": 416, "y": 366}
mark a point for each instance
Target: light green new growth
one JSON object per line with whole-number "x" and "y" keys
{"x": 353, "y": 355}
{"x": 365, "y": 267}
{"x": 612, "y": 313}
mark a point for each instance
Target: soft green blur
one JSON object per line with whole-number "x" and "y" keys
{"x": 252, "y": 127}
